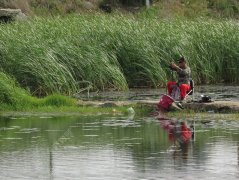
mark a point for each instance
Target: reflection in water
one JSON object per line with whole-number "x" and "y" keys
{"x": 118, "y": 147}
{"x": 51, "y": 163}
{"x": 67, "y": 135}
{"x": 179, "y": 134}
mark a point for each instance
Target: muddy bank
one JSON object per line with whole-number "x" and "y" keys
{"x": 216, "y": 106}
{"x": 225, "y": 98}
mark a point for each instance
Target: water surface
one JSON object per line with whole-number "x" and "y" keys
{"x": 115, "y": 147}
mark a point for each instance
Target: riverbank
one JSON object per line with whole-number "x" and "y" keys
{"x": 142, "y": 102}
{"x": 15, "y": 100}
{"x": 64, "y": 110}
{"x": 122, "y": 108}
{"x": 217, "y": 110}
{"x": 214, "y": 106}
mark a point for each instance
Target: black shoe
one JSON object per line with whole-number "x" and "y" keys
{"x": 180, "y": 105}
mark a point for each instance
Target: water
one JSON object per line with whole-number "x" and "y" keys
{"x": 115, "y": 148}
{"x": 216, "y": 92}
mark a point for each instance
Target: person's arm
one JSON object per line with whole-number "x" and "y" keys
{"x": 173, "y": 66}
{"x": 182, "y": 71}
{"x": 179, "y": 70}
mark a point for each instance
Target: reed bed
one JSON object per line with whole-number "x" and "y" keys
{"x": 55, "y": 55}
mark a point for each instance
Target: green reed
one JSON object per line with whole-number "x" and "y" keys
{"x": 55, "y": 55}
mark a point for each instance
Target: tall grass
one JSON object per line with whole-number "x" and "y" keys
{"x": 55, "y": 55}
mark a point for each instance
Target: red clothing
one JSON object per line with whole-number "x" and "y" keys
{"x": 184, "y": 88}
{"x": 181, "y": 134}
{"x": 186, "y": 133}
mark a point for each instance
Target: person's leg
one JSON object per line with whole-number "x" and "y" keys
{"x": 170, "y": 87}
{"x": 184, "y": 88}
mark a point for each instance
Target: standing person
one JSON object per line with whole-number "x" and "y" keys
{"x": 184, "y": 75}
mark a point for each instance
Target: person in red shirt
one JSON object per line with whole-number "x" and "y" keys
{"x": 184, "y": 75}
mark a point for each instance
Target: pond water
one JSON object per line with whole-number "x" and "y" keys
{"x": 116, "y": 147}
{"x": 216, "y": 92}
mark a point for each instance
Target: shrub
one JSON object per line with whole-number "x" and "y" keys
{"x": 58, "y": 100}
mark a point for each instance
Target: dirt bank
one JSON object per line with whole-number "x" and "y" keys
{"x": 216, "y": 106}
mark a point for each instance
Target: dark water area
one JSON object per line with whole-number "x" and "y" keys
{"x": 116, "y": 147}
{"x": 216, "y": 92}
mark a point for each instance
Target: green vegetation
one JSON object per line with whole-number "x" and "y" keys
{"x": 14, "y": 98}
{"x": 66, "y": 55}
{"x": 56, "y": 55}
{"x": 11, "y": 94}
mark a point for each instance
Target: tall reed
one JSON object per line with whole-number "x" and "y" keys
{"x": 55, "y": 55}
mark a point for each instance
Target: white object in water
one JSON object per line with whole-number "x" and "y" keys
{"x": 131, "y": 110}
{"x": 131, "y": 113}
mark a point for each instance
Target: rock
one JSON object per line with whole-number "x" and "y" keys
{"x": 9, "y": 12}
{"x": 21, "y": 16}
{"x": 9, "y": 15}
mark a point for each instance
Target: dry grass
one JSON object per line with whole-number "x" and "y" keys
{"x": 16, "y": 4}
{"x": 165, "y": 8}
